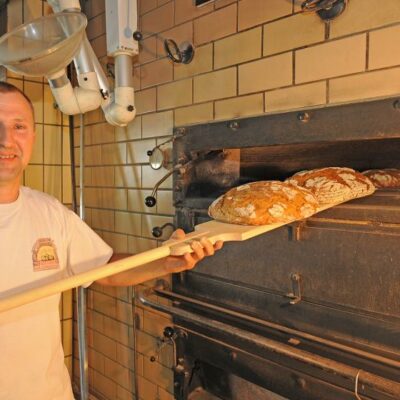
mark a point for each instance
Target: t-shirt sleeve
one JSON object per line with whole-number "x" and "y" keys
{"x": 86, "y": 249}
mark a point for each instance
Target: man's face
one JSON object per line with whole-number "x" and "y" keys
{"x": 17, "y": 136}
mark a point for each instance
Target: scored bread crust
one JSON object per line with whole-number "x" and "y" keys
{"x": 333, "y": 185}
{"x": 263, "y": 203}
{"x": 384, "y": 178}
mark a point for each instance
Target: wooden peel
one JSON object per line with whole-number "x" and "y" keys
{"x": 212, "y": 230}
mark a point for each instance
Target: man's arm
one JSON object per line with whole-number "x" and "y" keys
{"x": 158, "y": 268}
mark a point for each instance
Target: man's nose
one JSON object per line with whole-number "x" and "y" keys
{"x": 6, "y": 136}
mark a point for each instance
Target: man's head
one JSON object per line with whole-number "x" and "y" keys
{"x": 17, "y": 134}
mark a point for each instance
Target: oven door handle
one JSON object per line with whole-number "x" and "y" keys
{"x": 360, "y": 379}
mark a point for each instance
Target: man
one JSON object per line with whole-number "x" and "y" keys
{"x": 42, "y": 240}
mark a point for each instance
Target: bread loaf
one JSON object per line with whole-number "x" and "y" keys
{"x": 333, "y": 185}
{"x": 384, "y": 178}
{"x": 262, "y": 203}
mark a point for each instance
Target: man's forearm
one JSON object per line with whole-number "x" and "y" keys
{"x": 136, "y": 275}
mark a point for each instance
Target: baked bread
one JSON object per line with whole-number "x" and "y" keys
{"x": 333, "y": 185}
{"x": 263, "y": 203}
{"x": 384, "y": 178}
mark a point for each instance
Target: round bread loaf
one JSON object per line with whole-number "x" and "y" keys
{"x": 333, "y": 185}
{"x": 263, "y": 203}
{"x": 384, "y": 178}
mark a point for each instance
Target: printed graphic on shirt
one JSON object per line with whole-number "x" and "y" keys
{"x": 44, "y": 255}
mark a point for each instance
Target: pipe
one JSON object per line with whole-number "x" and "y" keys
{"x": 360, "y": 378}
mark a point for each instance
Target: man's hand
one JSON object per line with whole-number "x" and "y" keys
{"x": 201, "y": 249}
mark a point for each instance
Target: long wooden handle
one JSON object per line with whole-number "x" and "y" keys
{"x": 9, "y": 301}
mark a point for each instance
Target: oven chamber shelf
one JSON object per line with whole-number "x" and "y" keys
{"x": 346, "y": 259}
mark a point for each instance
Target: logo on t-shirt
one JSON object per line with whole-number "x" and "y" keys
{"x": 44, "y": 255}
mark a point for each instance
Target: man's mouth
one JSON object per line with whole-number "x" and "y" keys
{"x": 7, "y": 157}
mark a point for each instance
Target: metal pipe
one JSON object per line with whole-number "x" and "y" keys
{"x": 81, "y": 291}
{"x": 123, "y": 70}
{"x": 359, "y": 378}
{"x": 281, "y": 328}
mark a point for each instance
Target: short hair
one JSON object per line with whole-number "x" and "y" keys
{"x": 6, "y": 87}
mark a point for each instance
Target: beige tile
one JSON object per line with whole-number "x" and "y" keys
{"x": 364, "y": 86}
{"x": 92, "y": 155}
{"x": 292, "y": 32}
{"x": 209, "y": 27}
{"x": 53, "y": 181}
{"x": 67, "y": 336}
{"x": 255, "y": 12}
{"x": 96, "y": 26}
{"x": 52, "y": 137}
{"x": 238, "y": 48}
{"x": 128, "y": 176}
{"x": 92, "y": 197}
{"x": 117, "y": 373}
{"x": 151, "y": 221}
{"x": 185, "y": 10}
{"x": 215, "y": 85}
{"x": 158, "y": 20}
{"x": 125, "y": 356}
{"x": 161, "y": 2}
{"x": 102, "y": 176}
{"x": 150, "y": 177}
{"x": 296, "y": 97}
{"x": 37, "y": 154}
{"x": 223, "y": 3}
{"x": 101, "y": 133}
{"x": 146, "y": 101}
{"x": 154, "y": 324}
{"x": 35, "y": 93}
{"x": 66, "y": 185}
{"x": 362, "y": 15}
{"x": 14, "y": 14}
{"x": 114, "y": 198}
{"x": 174, "y": 94}
{"x": 113, "y": 154}
{"x": 146, "y": 344}
{"x": 147, "y": 50}
{"x": 66, "y": 151}
{"x": 156, "y": 72}
{"x": 124, "y": 394}
{"x": 194, "y": 114}
{"x": 131, "y": 132}
{"x": 34, "y": 177}
{"x": 103, "y": 219}
{"x": 383, "y": 47}
{"x": 129, "y": 223}
{"x": 118, "y": 242}
{"x": 97, "y": 7}
{"x": 158, "y": 124}
{"x": 145, "y": 6}
{"x": 99, "y": 46}
{"x": 138, "y": 244}
{"x": 147, "y": 389}
{"x": 164, "y": 395}
{"x": 51, "y": 113}
{"x": 136, "y": 200}
{"x": 32, "y": 10}
{"x": 137, "y": 151}
{"x": 117, "y": 330}
{"x": 158, "y": 374}
{"x": 339, "y": 57}
{"x": 104, "y": 385}
{"x": 165, "y": 202}
{"x": 202, "y": 62}
{"x": 268, "y": 73}
{"x": 96, "y": 360}
{"x": 67, "y": 304}
{"x": 239, "y": 107}
{"x": 180, "y": 34}
{"x": 105, "y": 305}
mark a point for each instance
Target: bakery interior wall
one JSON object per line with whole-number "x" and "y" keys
{"x": 252, "y": 57}
{"x": 50, "y": 168}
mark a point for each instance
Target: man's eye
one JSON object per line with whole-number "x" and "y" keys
{"x": 20, "y": 127}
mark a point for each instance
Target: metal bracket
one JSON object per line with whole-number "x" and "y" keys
{"x": 295, "y": 295}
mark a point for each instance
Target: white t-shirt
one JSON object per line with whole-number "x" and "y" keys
{"x": 40, "y": 240}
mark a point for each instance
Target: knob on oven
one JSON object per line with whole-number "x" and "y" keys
{"x": 150, "y": 201}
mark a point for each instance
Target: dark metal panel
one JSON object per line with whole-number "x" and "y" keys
{"x": 363, "y": 121}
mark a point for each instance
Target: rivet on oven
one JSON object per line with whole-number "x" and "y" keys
{"x": 396, "y": 104}
{"x": 234, "y": 125}
{"x": 303, "y": 117}
{"x": 301, "y": 382}
{"x": 233, "y": 355}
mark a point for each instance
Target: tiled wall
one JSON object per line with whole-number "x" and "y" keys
{"x": 49, "y": 170}
{"x": 252, "y": 57}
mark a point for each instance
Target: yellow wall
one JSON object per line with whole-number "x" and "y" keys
{"x": 252, "y": 57}
{"x": 49, "y": 170}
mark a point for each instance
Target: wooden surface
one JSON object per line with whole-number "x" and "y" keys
{"x": 212, "y": 230}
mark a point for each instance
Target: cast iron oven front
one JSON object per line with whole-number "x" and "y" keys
{"x": 309, "y": 311}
